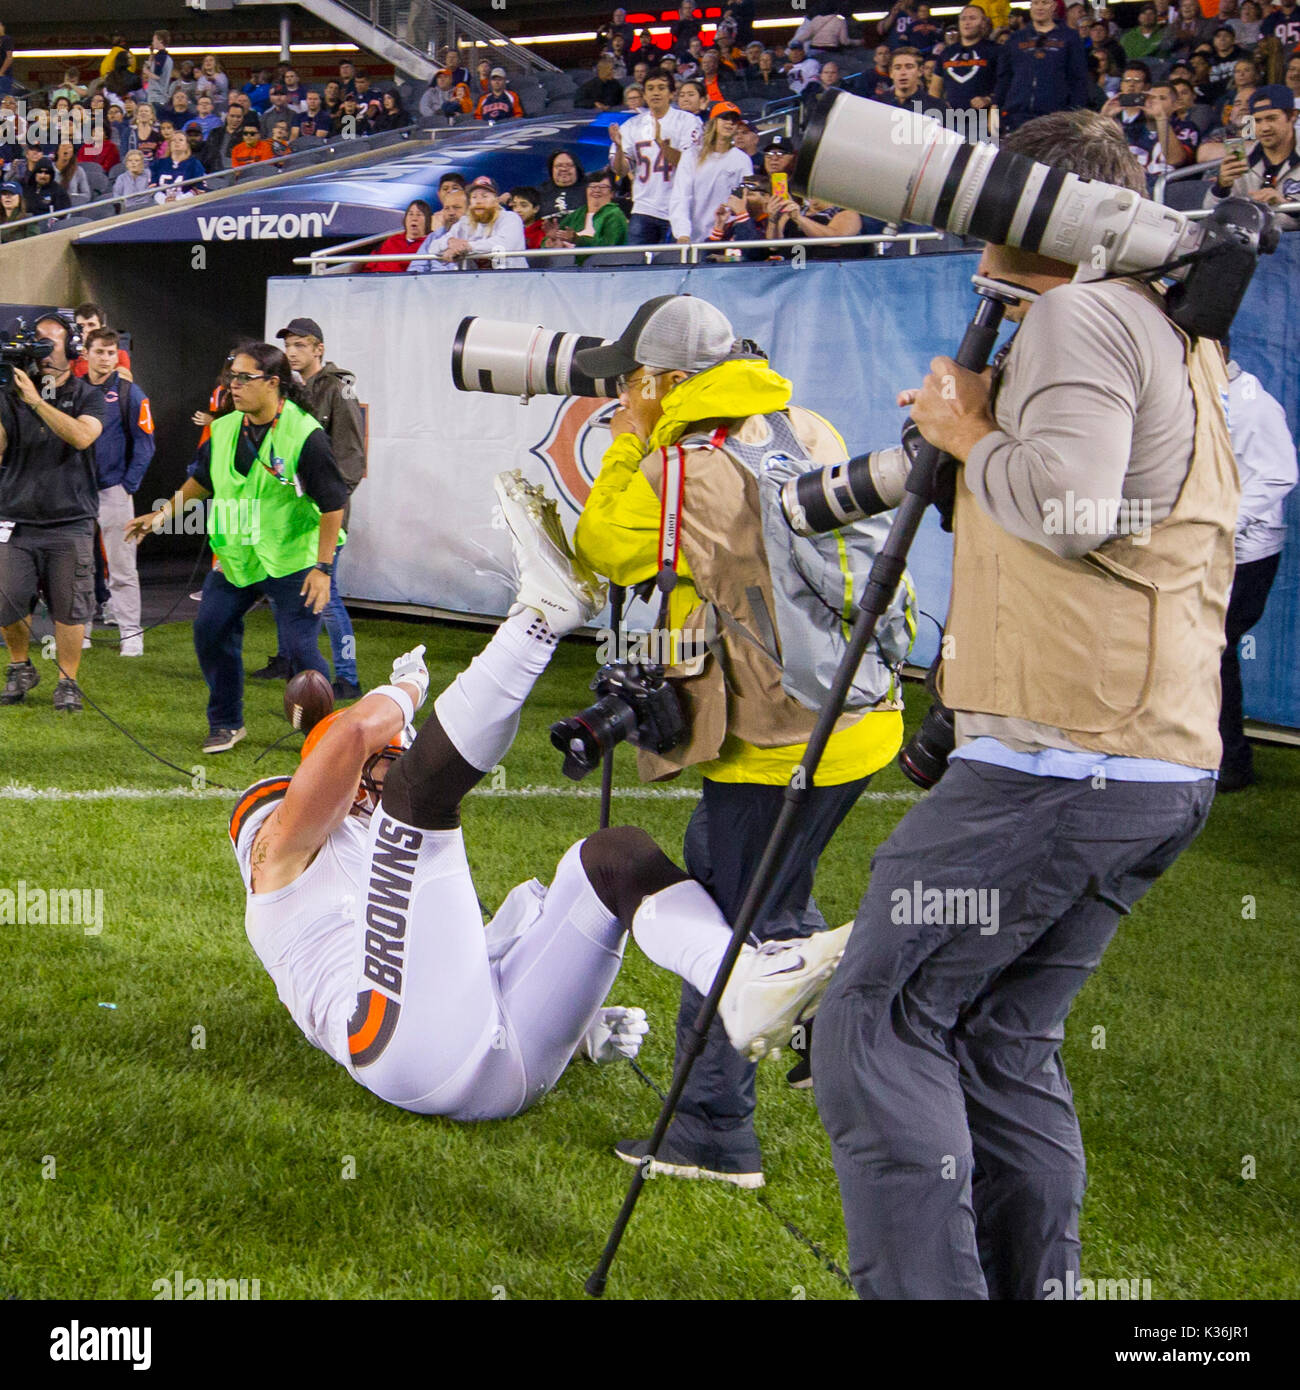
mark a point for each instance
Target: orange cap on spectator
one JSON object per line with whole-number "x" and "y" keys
{"x": 724, "y": 108}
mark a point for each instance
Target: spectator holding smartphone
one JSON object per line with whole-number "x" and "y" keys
{"x": 1269, "y": 171}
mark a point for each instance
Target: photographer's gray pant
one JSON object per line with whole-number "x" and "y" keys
{"x": 936, "y": 1056}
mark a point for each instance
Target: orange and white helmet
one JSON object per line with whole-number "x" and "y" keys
{"x": 368, "y": 790}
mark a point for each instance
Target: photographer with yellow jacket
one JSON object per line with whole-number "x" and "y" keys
{"x": 685, "y": 387}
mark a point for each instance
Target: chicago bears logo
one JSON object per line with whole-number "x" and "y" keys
{"x": 574, "y": 445}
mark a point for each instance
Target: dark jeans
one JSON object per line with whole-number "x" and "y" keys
{"x": 343, "y": 642}
{"x": 936, "y": 1055}
{"x": 724, "y": 842}
{"x": 1250, "y": 588}
{"x": 648, "y": 231}
{"x": 219, "y": 638}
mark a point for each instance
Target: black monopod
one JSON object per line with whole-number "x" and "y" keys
{"x": 886, "y": 572}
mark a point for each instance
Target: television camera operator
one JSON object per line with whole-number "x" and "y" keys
{"x": 49, "y": 501}
{"x": 1093, "y": 556}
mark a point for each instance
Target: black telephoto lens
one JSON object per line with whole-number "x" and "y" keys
{"x": 923, "y": 759}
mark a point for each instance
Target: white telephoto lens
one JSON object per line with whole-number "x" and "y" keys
{"x": 901, "y": 166}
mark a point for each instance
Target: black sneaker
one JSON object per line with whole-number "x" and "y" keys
{"x": 222, "y": 740}
{"x": 21, "y": 676}
{"x": 346, "y": 690}
{"x": 800, "y": 1075}
{"x": 67, "y": 696}
{"x": 671, "y": 1163}
{"x": 277, "y": 669}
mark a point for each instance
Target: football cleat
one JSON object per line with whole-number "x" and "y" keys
{"x": 552, "y": 580}
{"x": 775, "y": 985}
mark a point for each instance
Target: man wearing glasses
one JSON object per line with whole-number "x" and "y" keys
{"x": 277, "y": 510}
{"x": 686, "y": 388}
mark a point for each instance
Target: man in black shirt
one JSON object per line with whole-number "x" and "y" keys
{"x": 604, "y": 91}
{"x": 49, "y": 500}
{"x": 970, "y": 65}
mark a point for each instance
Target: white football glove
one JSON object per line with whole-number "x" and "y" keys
{"x": 615, "y": 1032}
{"x": 410, "y": 667}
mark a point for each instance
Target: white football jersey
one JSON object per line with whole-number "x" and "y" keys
{"x": 651, "y": 176}
{"x": 306, "y": 934}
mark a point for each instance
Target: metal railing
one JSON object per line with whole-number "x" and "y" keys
{"x": 1181, "y": 175}
{"x": 428, "y": 26}
{"x": 331, "y": 262}
{"x": 115, "y": 204}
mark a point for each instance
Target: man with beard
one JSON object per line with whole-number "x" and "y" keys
{"x": 452, "y": 202}
{"x": 486, "y": 232}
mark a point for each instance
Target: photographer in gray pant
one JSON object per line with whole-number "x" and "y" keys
{"x": 1092, "y": 561}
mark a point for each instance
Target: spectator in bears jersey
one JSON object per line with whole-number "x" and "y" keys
{"x": 498, "y": 103}
{"x": 178, "y": 166}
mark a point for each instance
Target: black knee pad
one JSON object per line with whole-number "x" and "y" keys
{"x": 625, "y": 865}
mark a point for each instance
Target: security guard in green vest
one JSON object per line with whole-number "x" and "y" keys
{"x": 277, "y": 509}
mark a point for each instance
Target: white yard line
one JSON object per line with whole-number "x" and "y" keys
{"x": 15, "y": 792}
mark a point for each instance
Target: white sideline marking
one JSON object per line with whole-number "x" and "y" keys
{"x": 15, "y": 792}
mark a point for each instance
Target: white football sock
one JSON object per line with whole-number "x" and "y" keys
{"x": 479, "y": 710}
{"x": 682, "y": 929}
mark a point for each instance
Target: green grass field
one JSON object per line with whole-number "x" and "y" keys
{"x": 128, "y": 1153}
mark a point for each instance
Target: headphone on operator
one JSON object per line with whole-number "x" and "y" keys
{"x": 75, "y": 345}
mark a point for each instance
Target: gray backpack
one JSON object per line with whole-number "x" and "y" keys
{"x": 816, "y": 582}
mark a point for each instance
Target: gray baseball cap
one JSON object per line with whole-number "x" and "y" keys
{"x": 676, "y": 332}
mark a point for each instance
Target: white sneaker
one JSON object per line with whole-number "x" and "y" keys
{"x": 552, "y": 580}
{"x": 775, "y": 985}
{"x": 131, "y": 646}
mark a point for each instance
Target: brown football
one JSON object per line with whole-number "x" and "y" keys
{"x": 308, "y": 698}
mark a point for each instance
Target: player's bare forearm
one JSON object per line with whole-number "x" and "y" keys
{"x": 379, "y": 718}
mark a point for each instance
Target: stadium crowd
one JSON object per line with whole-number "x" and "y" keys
{"x": 1185, "y": 88}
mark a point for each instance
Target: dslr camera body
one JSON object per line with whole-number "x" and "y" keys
{"x": 636, "y": 703}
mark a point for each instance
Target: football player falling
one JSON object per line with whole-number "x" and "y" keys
{"x": 361, "y": 906}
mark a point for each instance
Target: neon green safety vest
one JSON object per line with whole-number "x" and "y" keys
{"x": 261, "y": 526}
